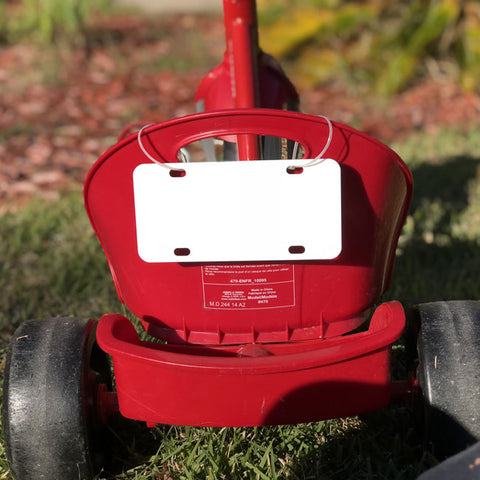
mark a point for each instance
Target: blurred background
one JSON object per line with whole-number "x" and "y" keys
{"x": 74, "y": 72}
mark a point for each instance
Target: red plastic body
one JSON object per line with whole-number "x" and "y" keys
{"x": 279, "y": 384}
{"x": 181, "y": 303}
{"x": 227, "y": 365}
{"x": 283, "y": 354}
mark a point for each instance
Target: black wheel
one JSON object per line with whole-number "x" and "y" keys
{"x": 462, "y": 466}
{"x": 449, "y": 373}
{"x": 49, "y": 400}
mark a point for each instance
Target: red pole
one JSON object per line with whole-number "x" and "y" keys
{"x": 241, "y": 33}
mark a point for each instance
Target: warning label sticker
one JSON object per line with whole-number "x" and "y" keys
{"x": 250, "y": 286}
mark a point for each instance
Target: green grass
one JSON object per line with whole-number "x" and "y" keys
{"x": 51, "y": 264}
{"x": 439, "y": 252}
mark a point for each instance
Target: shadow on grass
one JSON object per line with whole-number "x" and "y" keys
{"x": 131, "y": 444}
{"x": 446, "y": 182}
{"x": 435, "y": 262}
{"x": 383, "y": 445}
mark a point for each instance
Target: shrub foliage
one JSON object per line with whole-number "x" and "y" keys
{"x": 46, "y": 21}
{"x": 383, "y": 43}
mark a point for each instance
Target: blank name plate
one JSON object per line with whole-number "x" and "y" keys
{"x": 238, "y": 211}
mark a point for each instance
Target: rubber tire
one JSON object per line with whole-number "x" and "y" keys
{"x": 463, "y": 466}
{"x": 49, "y": 400}
{"x": 448, "y": 373}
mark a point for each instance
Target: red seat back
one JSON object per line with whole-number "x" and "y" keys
{"x": 218, "y": 303}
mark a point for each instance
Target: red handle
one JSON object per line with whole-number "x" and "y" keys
{"x": 165, "y": 139}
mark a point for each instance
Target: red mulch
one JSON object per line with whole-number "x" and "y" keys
{"x": 60, "y": 109}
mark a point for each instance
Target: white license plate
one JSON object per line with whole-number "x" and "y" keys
{"x": 238, "y": 211}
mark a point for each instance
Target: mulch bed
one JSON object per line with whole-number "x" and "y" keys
{"x": 61, "y": 108}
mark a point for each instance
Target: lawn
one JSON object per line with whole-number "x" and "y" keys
{"x": 51, "y": 264}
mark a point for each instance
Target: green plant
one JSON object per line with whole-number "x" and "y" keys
{"x": 48, "y": 21}
{"x": 51, "y": 264}
{"x": 387, "y": 44}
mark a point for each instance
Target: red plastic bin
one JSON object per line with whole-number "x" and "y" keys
{"x": 171, "y": 384}
{"x": 224, "y": 386}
